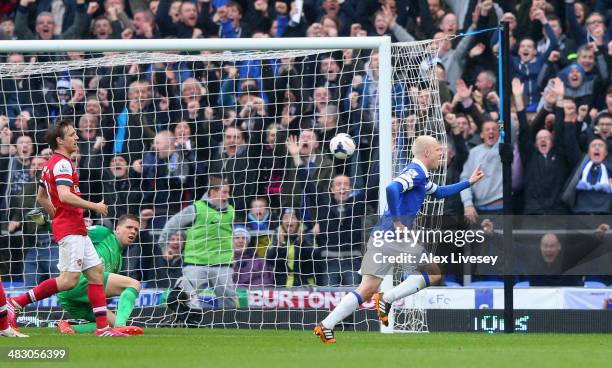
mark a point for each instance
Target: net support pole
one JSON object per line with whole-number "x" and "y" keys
{"x": 385, "y": 150}
{"x": 506, "y": 154}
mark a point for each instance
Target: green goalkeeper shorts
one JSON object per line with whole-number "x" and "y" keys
{"x": 76, "y": 302}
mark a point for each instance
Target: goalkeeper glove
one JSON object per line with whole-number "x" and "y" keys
{"x": 39, "y": 217}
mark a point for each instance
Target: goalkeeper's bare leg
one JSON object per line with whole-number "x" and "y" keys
{"x": 127, "y": 289}
{"x": 430, "y": 275}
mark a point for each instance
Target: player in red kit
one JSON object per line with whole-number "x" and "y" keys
{"x": 5, "y": 329}
{"x": 59, "y": 195}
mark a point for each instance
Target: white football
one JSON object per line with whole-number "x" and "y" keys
{"x": 342, "y": 146}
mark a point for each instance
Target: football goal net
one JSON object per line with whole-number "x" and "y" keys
{"x": 222, "y": 148}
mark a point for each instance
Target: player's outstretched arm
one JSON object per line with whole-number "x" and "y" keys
{"x": 71, "y": 199}
{"x": 43, "y": 198}
{"x": 476, "y": 175}
{"x": 445, "y": 191}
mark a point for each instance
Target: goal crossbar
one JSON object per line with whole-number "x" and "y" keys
{"x": 196, "y": 44}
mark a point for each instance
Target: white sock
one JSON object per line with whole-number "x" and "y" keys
{"x": 349, "y": 303}
{"x": 411, "y": 285}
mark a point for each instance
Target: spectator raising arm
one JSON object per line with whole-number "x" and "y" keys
{"x": 45, "y": 23}
{"x": 184, "y": 27}
{"x": 526, "y": 138}
{"x": 398, "y": 31}
{"x": 205, "y": 19}
{"x": 428, "y": 27}
{"x": 554, "y": 41}
{"x": 576, "y": 30}
{"x": 163, "y": 19}
{"x": 22, "y": 30}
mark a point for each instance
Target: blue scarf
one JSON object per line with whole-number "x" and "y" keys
{"x": 256, "y": 224}
{"x": 602, "y": 181}
{"x": 122, "y": 121}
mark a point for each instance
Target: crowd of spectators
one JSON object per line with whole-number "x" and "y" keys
{"x": 152, "y": 135}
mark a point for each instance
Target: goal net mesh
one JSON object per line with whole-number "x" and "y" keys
{"x": 414, "y": 78}
{"x": 162, "y": 134}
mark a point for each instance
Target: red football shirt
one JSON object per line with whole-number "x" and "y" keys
{"x": 68, "y": 220}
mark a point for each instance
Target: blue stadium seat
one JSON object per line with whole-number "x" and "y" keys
{"x": 452, "y": 284}
{"x": 493, "y": 284}
{"x": 13, "y": 284}
{"x": 522, "y": 284}
{"x": 451, "y": 278}
{"x": 594, "y": 284}
{"x": 594, "y": 278}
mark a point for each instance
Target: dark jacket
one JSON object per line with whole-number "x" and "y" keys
{"x": 341, "y": 225}
{"x": 167, "y": 28}
{"x": 138, "y": 136}
{"x": 576, "y": 250}
{"x": 291, "y": 189}
{"x": 291, "y": 268}
{"x": 545, "y": 176}
{"x": 122, "y": 195}
{"x": 586, "y": 201}
{"x": 169, "y": 183}
{"x": 453, "y": 204}
{"x": 240, "y": 172}
{"x": 19, "y": 205}
{"x": 75, "y": 31}
{"x": 528, "y": 72}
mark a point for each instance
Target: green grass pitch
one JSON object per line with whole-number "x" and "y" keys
{"x": 191, "y": 348}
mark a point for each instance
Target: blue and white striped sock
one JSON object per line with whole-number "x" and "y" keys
{"x": 349, "y": 303}
{"x": 411, "y": 285}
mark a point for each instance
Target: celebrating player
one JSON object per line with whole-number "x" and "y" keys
{"x": 60, "y": 196}
{"x": 109, "y": 246}
{"x": 405, "y": 196}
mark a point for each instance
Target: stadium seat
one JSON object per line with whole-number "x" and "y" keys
{"x": 494, "y": 284}
{"x": 451, "y": 277}
{"x": 594, "y": 278}
{"x": 12, "y": 284}
{"x": 594, "y": 284}
{"x": 522, "y": 284}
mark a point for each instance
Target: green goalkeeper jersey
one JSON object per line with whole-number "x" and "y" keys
{"x": 109, "y": 250}
{"x": 107, "y": 246}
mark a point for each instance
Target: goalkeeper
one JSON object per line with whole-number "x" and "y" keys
{"x": 109, "y": 245}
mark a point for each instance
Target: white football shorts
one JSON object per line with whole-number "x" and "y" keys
{"x": 77, "y": 254}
